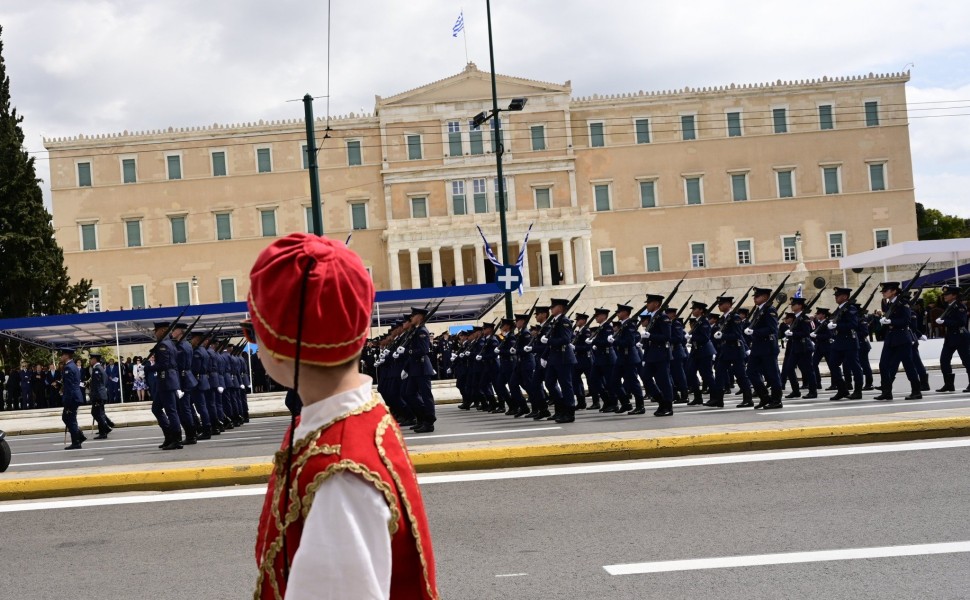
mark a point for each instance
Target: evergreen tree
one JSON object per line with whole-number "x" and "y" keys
{"x": 33, "y": 278}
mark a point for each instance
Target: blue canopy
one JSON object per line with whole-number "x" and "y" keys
{"x": 941, "y": 278}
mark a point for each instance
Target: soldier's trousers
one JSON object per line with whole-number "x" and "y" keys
{"x": 521, "y": 380}
{"x": 727, "y": 368}
{"x": 847, "y": 362}
{"x": 199, "y": 402}
{"x": 763, "y": 370}
{"x": 69, "y": 416}
{"x": 97, "y": 412}
{"x": 889, "y": 363}
{"x": 186, "y": 414}
{"x": 835, "y": 373}
{"x": 559, "y": 380}
{"x": 657, "y": 382}
{"x": 918, "y": 362}
{"x": 537, "y": 395}
{"x": 165, "y": 411}
{"x": 417, "y": 395}
{"x": 210, "y": 405}
{"x": 946, "y": 356}
{"x": 599, "y": 380}
{"x": 678, "y": 374}
{"x": 701, "y": 365}
{"x": 864, "y": 350}
{"x": 503, "y": 384}
{"x": 626, "y": 378}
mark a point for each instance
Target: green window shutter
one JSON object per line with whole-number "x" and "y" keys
{"x": 182, "y": 293}
{"x": 831, "y": 175}
{"x": 538, "y": 137}
{"x": 354, "y": 157}
{"x": 306, "y": 156}
{"x": 698, "y": 256}
{"x": 882, "y": 238}
{"x": 643, "y": 131}
{"x": 174, "y": 166}
{"x": 128, "y": 170}
{"x": 739, "y": 187}
{"x": 458, "y": 204}
{"x": 877, "y": 177}
{"x": 687, "y": 129}
{"x": 228, "y": 289}
{"x": 358, "y": 215}
{"x": 602, "y": 196}
{"x": 481, "y": 202}
{"x": 543, "y": 198}
{"x": 218, "y": 164}
{"x": 178, "y": 230}
{"x": 476, "y": 146}
{"x": 414, "y": 147}
{"x": 267, "y": 221}
{"x": 648, "y": 198}
{"x": 825, "y": 120}
{"x": 133, "y": 232}
{"x": 785, "y": 187}
{"x": 419, "y": 208}
{"x": 308, "y": 214}
{"x": 653, "y": 260}
{"x": 454, "y": 144}
{"x": 607, "y": 263}
{"x": 780, "y": 117}
{"x": 264, "y": 160}
{"x": 872, "y": 114}
{"x": 138, "y": 296}
{"x": 693, "y": 185}
{"x": 89, "y": 237}
{"x": 223, "y": 226}
{"x": 596, "y": 137}
{"x": 84, "y": 174}
{"x": 734, "y": 124}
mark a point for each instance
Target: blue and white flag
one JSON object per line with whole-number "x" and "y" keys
{"x": 798, "y": 292}
{"x": 495, "y": 261}
{"x": 459, "y": 25}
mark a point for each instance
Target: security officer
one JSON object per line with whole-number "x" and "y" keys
{"x": 202, "y": 392}
{"x": 678, "y": 356}
{"x": 956, "y": 339}
{"x": 524, "y": 366}
{"x": 844, "y": 352}
{"x": 98, "y": 392}
{"x": 897, "y": 343}
{"x": 803, "y": 348}
{"x": 701, "y": 359}
{"x": 164, "y": 403}
{"x": 187, "y": 382}
{"x": 655, "y": 343}
{"x": 418, "y": 373}
{"x": 583, "y": 362}
{"x": 731, "y": 355}
{"x": 628, "y": 358}
{"x": 73, "y": 398}
{"x": 506, "y": 365}
{"x": 560, "y": 361}
{"x": 762, "y": 368}
{"x": 602, "y": 364}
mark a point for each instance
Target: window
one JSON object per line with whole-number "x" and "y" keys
{"x": 459, "y": 206}
{"x": 84, "y": 174}
{"x": 877, "y": 177}
{"x": 308, "y": 216}
{"x": 830, "y": 177}
{"x": 354, "y": 157}
{"x": 601, "y": 195}
{"x": 734, "y": 124}
{"x": 414, "y": 147}
{"x": 223, "y": 226}
{"x": 267, "y": 222}
{"x": 219, "y": 163}
{"x": 475, "y": 144}
{"x": 227, "y": 288}
{"x": 597, "y": 139}
{"x": 883, "y": 238}
{"x": 836, "y": 245}
{"x": 174, "y": 163}
{"x": 454, "y": 138}
{"x": 538, "y": 137}
{"x": 648, "y": 194}
{"x": 178, "y": 230}
{"x": 358, "y": 215}
{"x": 182, "y": 297}
{"x": 543, "y": 198}
{"x": 789, "y": 249}
{"x": 94, "y": 300}
{"x": 744, "y": 252}
{"x": 133, "y": 233}
{"x": 739, "y": 187}
{"x": 872, "y": 113}
{"x": 128, "y": 171}
{"x": 138, "y": 296}
{"x": 652, "y": 254}
{"x": 780, "y": 119}
{"x": 89, "y": 236}
{"x": 264, "y": 160}
{"x": 419, "y": 208}
{"x": 694, "y": 190}
{"x": 687, "y": 130}
{"x": 306, "y": 156}
{"x": 480, "y": 195}
{"x": 698, "y": 255}
{"x": 607, "y": 263}
{"x": 643, "y": 131}
{"x": 505, "y": 192}
{"x": 825, "y": 120}
{"x": 786, "y": 183}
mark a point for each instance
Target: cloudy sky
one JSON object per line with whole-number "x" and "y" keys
{"x": 99, "y": 66}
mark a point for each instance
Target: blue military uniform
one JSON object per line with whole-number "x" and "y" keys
{"x": 202, "y": 392}
{"x": 762, "y": 368}
{"x": 678, "y": 357}
{"x": 802, "y": 349}
{"x": 603, "y": 361}
{"x": 487, "y": 364}
{"x": 583, "y": 361}
{"x": 98, "y": 392}
{"x": 537, "y": 395}
{"x": 845, "y": 347}
{"x": 700, "y": 361}
{"x": 628, "y": 360}
{"x": 506, "y": 368}
{"x": 73, "y": 398}
{"x": 823, "y": 337}
{"x": 417, "y": 382}
{"x": 560, "y": 363}
{"x": 655, "y": 372}
{"x": 897, "y": 345}
{"x": 524, "y": 367}
{"x": 164, "y": 402}
{"x": 731, "y": 353}
{"x": 955, "y": 340}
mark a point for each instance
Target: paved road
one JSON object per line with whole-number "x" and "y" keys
{"x": 261, "y": 437}
{"x": 539, "y": 537}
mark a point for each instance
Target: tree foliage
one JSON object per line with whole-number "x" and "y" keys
{"x": 932, "y": 224}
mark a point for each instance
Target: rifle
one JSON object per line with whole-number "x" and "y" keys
{"x": 756, "y": 317}
{"x": 905, "y": 290}
{"x": 713, "y": 305}
{"x": 734, "y": 309}
{"x": 665, "y": 303}
{"x": 683, "y": 306}
{"x": 548, "y": 324}
{"x": 838, "y": 312}
{"x": 865, "y": 306}
{"x": 528, "y": 315}
{"x": 407, "y": 336}
{"x": 185, "y": 336}
{"x": 166, "y": 334}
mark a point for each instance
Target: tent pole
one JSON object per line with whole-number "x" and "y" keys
{"x": 845, "y": 280}
{"x": 885, "y": 272}
{"x": 121, "y": 379}
{"x": 956, "y": 268}
{"x": 377, "y": 307}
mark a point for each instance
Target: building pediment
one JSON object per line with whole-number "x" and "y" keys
{"x": 471, "y": 85}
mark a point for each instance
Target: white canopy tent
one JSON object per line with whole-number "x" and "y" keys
{"x": 911, "y": 253}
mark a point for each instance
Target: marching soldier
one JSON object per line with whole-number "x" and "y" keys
{"x": 956, "y": 339}
{"x": 803, "y": 348}
{"x": 418, "y": 373}
{"x": 628, "y": 359}
{"x": 864, "y": 348}
{"x": 844, "y": 352}
{"x": 762, "y": 368}
{"x": 583, "y": 363}
{"x": 655, "y": 346}
{"x": 98, "y": 392}
{"x": 538, "y": 348}
{"x": 73, "y": 397}
{"x": 678, "y": 356}
{"x": 897, "y": 343}
{"x": 560, "y": 361}
{"x": 731, "y": 354}
{"x": 701, "y": 358}
{"x": 822, "y": 336}
{"x": 506, "y": 366}
{"x": 187, "y": 382}
{"x": 602, "y": 364}
{"x": 201, "y": 392}
{"x": 164, "y": 405}
{"x": 488, "y": 363}
{"x": 524, "y": 366}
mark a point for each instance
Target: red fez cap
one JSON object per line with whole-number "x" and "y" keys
{"x": 337, "y": 305}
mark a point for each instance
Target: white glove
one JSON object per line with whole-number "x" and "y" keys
{"x": 478, "y": 357}
{"x": 589, "y": 341}
{"x": 922, "y": 338}
{"x": 646, "y": 335}
{"x": 831, "y": 325}
{"x": 404, "y": 375}
{"x": 81, "y": 384}
{"x": 527, "y": 348}
{"x": 609, "y": 339}
{"x": 687, "y": 337}
{"x": 242, "y": 386}
{"x": 718, "y": 335}
{"x": 544, "y": 339}
{"x": 747, "y": 353}
{"x": 497, "y": 351}
{"x": 939, "y": 321}
{"x": 594, "y": 347}
{"x": 813, "y": 335}
{"x": 115, "y": 379}
{"x": 885, "y": 321}
{"x": 749, "y": 331}
{"x": 789, "y": 333}
{"x": 639, "y": 345}
{"x": 179, "y": 393}
{"x": 573, "y": 346}
{"x": 449, "y": 371}
{"x": 221, "y": 389}
{"x": 543, "y": 362}
{"x": 512, "y": 351}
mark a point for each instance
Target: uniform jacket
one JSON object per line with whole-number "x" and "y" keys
{"x": 700, "y": 337}
{"x": 560, "y": 348}
{"x": 418, "y": 351}
{"x": 764, "y": 340}
{"x": 898, "y": 332}
{"x": 732, "y": 346}
{"x": 956, "y": 326}
{"x": 678, "y": 341}
{"x": 200, "y": 368}
{"x": 846, "y": 333}
{"x": 166, "y": 366}
{"x": 216, "y": 379}
{"x": 97, "y": 386}
{"x": 526, "y": 361}
{"x": 186, "y": 378}
{"x": 71, "y": 379}
{"x": 657, "y": 347}
{"x": 625, "y": 344}
{"x": 603, "y": 353}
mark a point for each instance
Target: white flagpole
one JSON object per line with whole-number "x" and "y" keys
{"x": 464, "y": 34}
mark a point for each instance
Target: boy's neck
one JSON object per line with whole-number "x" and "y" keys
{"x": 318, "y": 385}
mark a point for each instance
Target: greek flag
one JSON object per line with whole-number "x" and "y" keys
{"x": 798, "y": 292}
{"x": 459, "y": 25}
{"x": 495, "y": 261}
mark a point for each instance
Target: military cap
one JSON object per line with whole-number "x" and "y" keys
{"x": 521, "y": 317}
{"x": 542, "y": 310}
{"x": 655, "y": 298}
{"x": 889, "y": 285}
{"x": 645, "y": 316}
{"x": 161, "y": 324}
{"x": 789, "y": 315}
{"x": 535, "y": 328}
{"x": 823, "y": 311}
{"x": 507, "y": 321}
{"x": 488, "y": 326}
{"x": 477, "y": 328}
{"x": 559, "y": 302}
{"x": 623, "y": 307}
{"x": 842, "y": 291}
{"x": 952, "y": 289}
{"x": 744, "y": 311}
{"x": 725, "y": 299}
{"x": 797, "y": 301}
{"x": 418, "y": 311}
{"x": 179, "y": 325}
{"x": 761, "y": 291}
{"x": 670, "y": 310}
{"x": 601, "y": 311}
{"x": 582, "y": 317}
{"x": 66, "y": 350}
{"x": 695, "y": 305}
{"x": 94, "y": 355}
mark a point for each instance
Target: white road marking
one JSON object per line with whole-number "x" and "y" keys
{"x": 787, "y": 558}
{"x": 513, "y": 575}
{"x": 54, "y": 462}
{"x": 159, "y": 437}
{"x": 904, "y": 404}
{"x": 89, "y": 448}
{"x": 134, "y": 499}
{"x": 497, "y": 431}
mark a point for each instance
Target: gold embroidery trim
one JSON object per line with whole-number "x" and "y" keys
{"x": 284, "y": 338}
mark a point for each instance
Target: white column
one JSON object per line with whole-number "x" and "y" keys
{"x": 546, "y": 265}
{"x": 567, "y": 261}
{"x": 479, "y": 264}
{"x": 579, "y": 260}
{"x": 459, "y": 265}
{"x": 415, "y": 272}
{"x": 435, "y": 266}
{"x": 588, "y": 257}
{"x": 526, "y": 279}
{"x": 394, "y": 268}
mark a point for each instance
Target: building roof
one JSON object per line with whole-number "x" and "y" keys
{"x": 910, "y": 253}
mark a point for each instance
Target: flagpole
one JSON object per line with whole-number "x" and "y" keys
{"x": 464, "y": 34}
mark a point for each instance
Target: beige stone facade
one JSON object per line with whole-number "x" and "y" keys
{"x": 620, "y": 189}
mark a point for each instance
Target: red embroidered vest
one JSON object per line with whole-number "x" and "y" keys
{"x": 366, "y": 442}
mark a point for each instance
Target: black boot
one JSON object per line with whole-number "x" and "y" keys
{"x": 794, "y": 394}
{"x": 206, "y": 433}
{"x": 190, "y": 436}
{"x": 596, "y": 403}
{"x": 763, "y": 398}
{"x": 948, "y": 381}
{"x": 666, "y": 408}
{"x": 868, "y": 386}
{"x": 924, "y": 383}
{"x": 887, "y": 392}
{"x": 697, "y": 400}
{"x": 857, "y": 392}
{"x": 842, "y": 394}
{"x": 774, "y": 400}
{"x": 916, "y": 392}
{"x": 680, "y": 397}
{"x": 165, "y": 442}
{"x": 174, "y": 441}
{"x": 747, "y": 400}
{"x": 716, "y": 400}
{"x": 639, "y": 410}
{"x": 625, "y": 406}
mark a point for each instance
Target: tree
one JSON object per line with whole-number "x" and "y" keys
{"x": 932, "y": 224}
{"x": 32, "y": 271}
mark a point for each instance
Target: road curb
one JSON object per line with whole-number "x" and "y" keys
{"x": 505, "y": 455}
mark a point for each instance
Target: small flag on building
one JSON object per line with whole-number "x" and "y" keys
{"x": 495, "y": 261}
{"x": 798, "y": 292}
{"x": 459, "y": 25}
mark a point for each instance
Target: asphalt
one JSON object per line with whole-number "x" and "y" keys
{"x": 535, "y": 538}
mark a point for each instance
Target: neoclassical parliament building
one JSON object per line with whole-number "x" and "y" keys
{"x": 737, "y": 180}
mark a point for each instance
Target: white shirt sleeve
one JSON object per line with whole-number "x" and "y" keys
{"x": 345, "y": 548}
